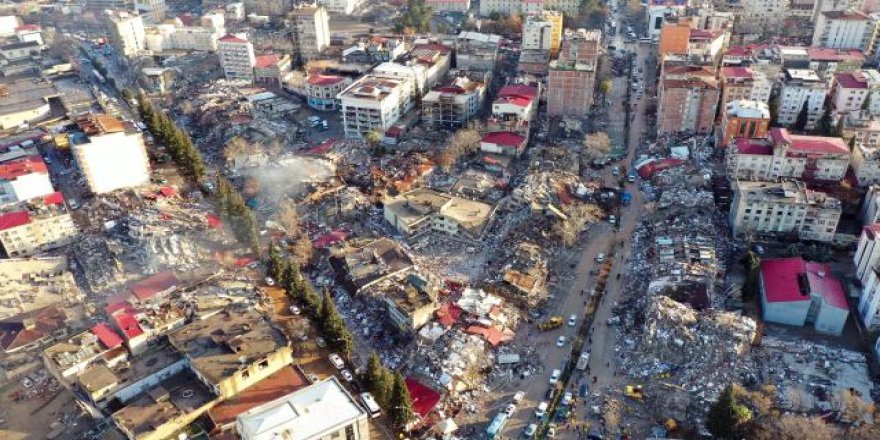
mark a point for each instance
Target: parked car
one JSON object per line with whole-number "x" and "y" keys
{"x": 567, "y": 398}
{"x": 518, "y": 397}
{"x": 572, "y": 320}
{"x": 601, "y": 257}
{"x": 347, "y": 375}
{"x": 510, "y": 410}
{"x": 270, "y": 281}
{"x": 560, "y": 341}
{"x": 336, "y": 361}
{"x": 295, "y": 310}
{"x": 554, "y": 376}
{"x": 530, "y": 430}
{"x": 541, "y": 410}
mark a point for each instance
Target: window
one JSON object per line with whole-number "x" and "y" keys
{"x": 263, "y": 364}
{"x": 245, "y": 375}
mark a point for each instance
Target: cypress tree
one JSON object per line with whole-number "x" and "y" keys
{"x": 400, "y": 410}
{"x": 726, "y": 415}
{"x": 803, "y": 117}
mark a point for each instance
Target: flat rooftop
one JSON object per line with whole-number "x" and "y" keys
{"x": 277, "y": 385}
{"x": 374, "y": 87}
{"x": 309, "y": 413}
{"x": 217, "y": 345}
{"x": 100, "y": 376}
{"x": 25, "y": 95}
{"x": 375, "y": 260}
{"x": 178, "y": 396}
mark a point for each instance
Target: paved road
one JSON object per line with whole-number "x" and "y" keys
{"x": 602, "y": 239}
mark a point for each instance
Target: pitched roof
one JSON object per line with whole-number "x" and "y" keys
{"x": 106, "y": 335}
{"x": 14, "y": 334}
{"x": 128, "y": 325}
{"x": 808, "y": 144}
{"x": 19, "y": 167}
{"x": 872, "y": 230}
{"x": 268, "y": 60}
{"x": 325, "y": 80}
{"x": 504, "y": 138}
{"x": 829, "y": 54}
{"x": 753, "y": 146}
{"x": 229, "y": 38}
{"x": 523, "y": 90}
{"x": 849, "y": 80}
{"x": 14, "y": 219}
{"x": 153, "y": 285}
{"x": 736, "y": 72}
{"x": 424, "y": 399}
{"x": 783, "y": 277}
{"x": 56, "y": 198}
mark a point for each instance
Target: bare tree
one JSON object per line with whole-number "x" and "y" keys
{"x": 852, "y": 408}
{"x": 186, "y": 107}
{"x": 238, "y": 146}
{"x": 288, "y": 217}
{"x": 301, "y": 250}
{"x": 464, "y": 141}
{"x": 597, "y": 144}
{"x": 611, "y": 415}
{"x": 795, "y": 427}
{"x": 275, "y": 147}
{"x": 579, "y": 215}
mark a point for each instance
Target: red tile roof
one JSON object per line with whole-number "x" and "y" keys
{"x": 28, "y": 27}
{"x": 753, "y": 146}
{"x": 808, "y": 144}
{"x": 504, "y": 138}
{"x": 448, "y": 314}
{"x": 154, "y": 285}
{"x": 494, "y": 335}
{"x": 829, "y": 54}
{"x": 736, "y": 72}
{"x": 325, "y": 80}
{"x": 229, "y": 38}
{"x": 782, "y": 282}
{"x": 56, "y": 198}
{"x": 522, "y": 90}
{"x": 849, "y": 80}
{"x": 106, "y": 335}
{"x": 872, "y": 231}
{"x": 847, "y": 15}
{"x": 14, "y": 335}
{"x": 274, "y": 386}
{"x": 264, "y": 61}
{"x": 23, "y": 166}
{"x": 329, "y": 238}
{"x": 128, "y": 325}
{"x": 424, "y": 399}
{"x": 14, "y": 219}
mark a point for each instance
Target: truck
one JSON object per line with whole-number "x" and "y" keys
{"x": 626, "y": 197}
{"x": 583, "y": 360}
{"x": 497, "y": 425}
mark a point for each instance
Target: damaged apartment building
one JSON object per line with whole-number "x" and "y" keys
{"x": 526, "y": 274}
{"x": 424, "y": 210}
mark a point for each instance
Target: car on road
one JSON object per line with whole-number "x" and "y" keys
{"x": 510, "y": 410}
{"x": 519, "y": 396}
{"x": 530, "y": 430}
{"x": 269, "y": 281}
{"x": 551, "y": 432}
{"x": 567, "y": 398}
{"x": 541, "y": 410}
{"x": 295, "y": 310}
{"x": 572, "y": 320}
{"x": 320, "y": 342}
{"x": 347, "y": 375}
{"x": 554, "y": 376}
{"x": 612, "y": 219}
{"x": 336, "y": 361}
{"x": 615, "y": 171}
{"x": 600, "y": 258}
{"x": 560, "y": 341}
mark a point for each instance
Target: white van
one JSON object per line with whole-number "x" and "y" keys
{"x": 371, "y": 405}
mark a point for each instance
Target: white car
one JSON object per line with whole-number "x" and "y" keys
{"x": 612, "y": 219}
{"x": 336, "y": 361}
{"x": 554, "y": 376}
{"x": 530, "y": 430}
{"x": 510, "y": 410}
{"x": 348, "y": 377}
{"x": 601, "y": 257}
{"x": 519, "y": 396}
{"x": 560, "y": 341}
{"x": 541, "y": 410}
{"x": 270, "y": 281}
{"x": 566, "y": 399}
{"x": 295, "y": 310}
{"x": 572, "y": 320}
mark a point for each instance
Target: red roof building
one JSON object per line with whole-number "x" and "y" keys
{"x": 424, "y": 399}
{"x": 503, "y": 142}
{"x": 106, "y": 335}
{"x": 30, "y": 330}
{"x": 798, "y": 292}
{"x": 14, "y": 219}
{"x": 19, "y": 167}
{"x": 811, "y": 158}
{"x": 157, "y": 285}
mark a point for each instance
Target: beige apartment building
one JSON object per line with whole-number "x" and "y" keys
{"x": 783, "y": 208}
{"x": 36, "y": 226}
{"x": 311, "y": 31}
{"x": 785, "y": 155}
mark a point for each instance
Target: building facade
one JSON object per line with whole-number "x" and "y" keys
{"x": 851, "y": 90}
{"x": 127, "y": 32}
{"x": 237, "y": 57}
{"x": 688, "y": 99}
{"x": 866, "y": 164}
{"x": 785, "y": 208}
{"x": 462, "y": 6}
{"x": 797, "y": 292}
{"x": 799, "y": 87}
{"x": 571, "y": 79}
{"x": 310, "y": 31}
{"x": 374, "y": 103}
{"x": 343, "y": 7}
{"x": 111, "y": 154}
{"x": 477, "y": 52}
{"x": 739, "y": 83}
{"x": 36, "y": 226}
{"x": 456, "y": 103}
{"x": 784, "y": 155}
{"x": 846, "y": 29}
{"x": 743, "y": 119}
{"x": 322, "y": 91}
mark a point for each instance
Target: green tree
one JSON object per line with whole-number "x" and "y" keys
{"x": 825, "y": 124}
{"x": 373, "y": 138}
{"x": 416, "y": 17}
{"x": 274, "y": 263}
{"x": 726, "y": 415}
{"x": 400, "y": 403}
{"x": 127, "y": 95}
{"x": 773, "y": 106}
{"x": 379, "y": 380}
{"x": 606, "y": 86}
{"x": 803, "y": 117}
{"x": 752, "y": 266}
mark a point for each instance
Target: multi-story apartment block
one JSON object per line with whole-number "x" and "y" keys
{"x": 862, "y": 127}
{"x": 514, "y": 109}
{"x": 543, "y": 31}
{"x": 271, "y": 69}
{"x": 866, "y": 261}
{"x": 848, "y": 29}
{"x": 851, "y": 90}
{"x": 322, "y": 91}
{"x": 323, "y": 410}
{"x": 866, "y": 164}
{"x": 374, "y": 103}
{"x": 785, "y": 155}
{"x": 310, "y": 26}
{"x": 462, "y": 6}
{"x": 658, "y": 11}
{"x": 826, "y": 61}
{"x": 744, "y": 83}
{"x": 175, "y": 36}
{"x": 24, "y": 178}
{"x": 110, "y": 153}
{"x": 571, "y": 79}
{"x": 679, "y": 41}
{"x": 688, "y": 97}
{"x": 422, "y": 211}
{"x": 423, "y": 66}
{"x": 476, "y": 51}
{"x": 507, "y": 7}
{"x": 153, "y": 9}
{"x": 237, "y": 57}
{"x": 743, "y": 119}
{"x": 343, "y": 7}
{"x": 35, "y": 226}
{"x": 274, "y": 8}
{"x": 801, "y": 86}
{"x": 455, "y": 103}
{"x": 126, "y": 32}
{"x": 783, "y": 208}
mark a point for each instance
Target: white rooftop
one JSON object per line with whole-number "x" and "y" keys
{"x": 310, "y": 413}
{"x": 803, "y": 74}
{"x": 744, "y": 108}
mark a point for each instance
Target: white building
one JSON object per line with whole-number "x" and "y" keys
{"x": 850, "y": 90}
{"x": 236, "y": 57}
{"x": 8, "y": 23}
{"x": 311, "y": 31}
{"x": 797, "y": 292}
{"x": 866, "y": 164}
{"x": 800, "y": 86}
{"x": 110, "y": 154}
{"x": 127, "y": 32}
{"x": 865, "y": 259}
{"x": 323, "y": 410}
{"x": 36, "y": 226}
{"x": 870, "y": 210}
{"x": 785, "y": 155}
{"x": 462, "y": 6}
{"x": 24, "y": 178}
{"x": 153, "y": 9}
{"x": 507, "y": 7}
{"x": 342, "y": 7}
{"x": 538, "y": 34}
{"x": 423, "y": 211}
{"x": 787, "y": 207}
{"x": 321, "y": 91}
{"x": 849, "y": 29}
{"x": 374, "y": 103}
